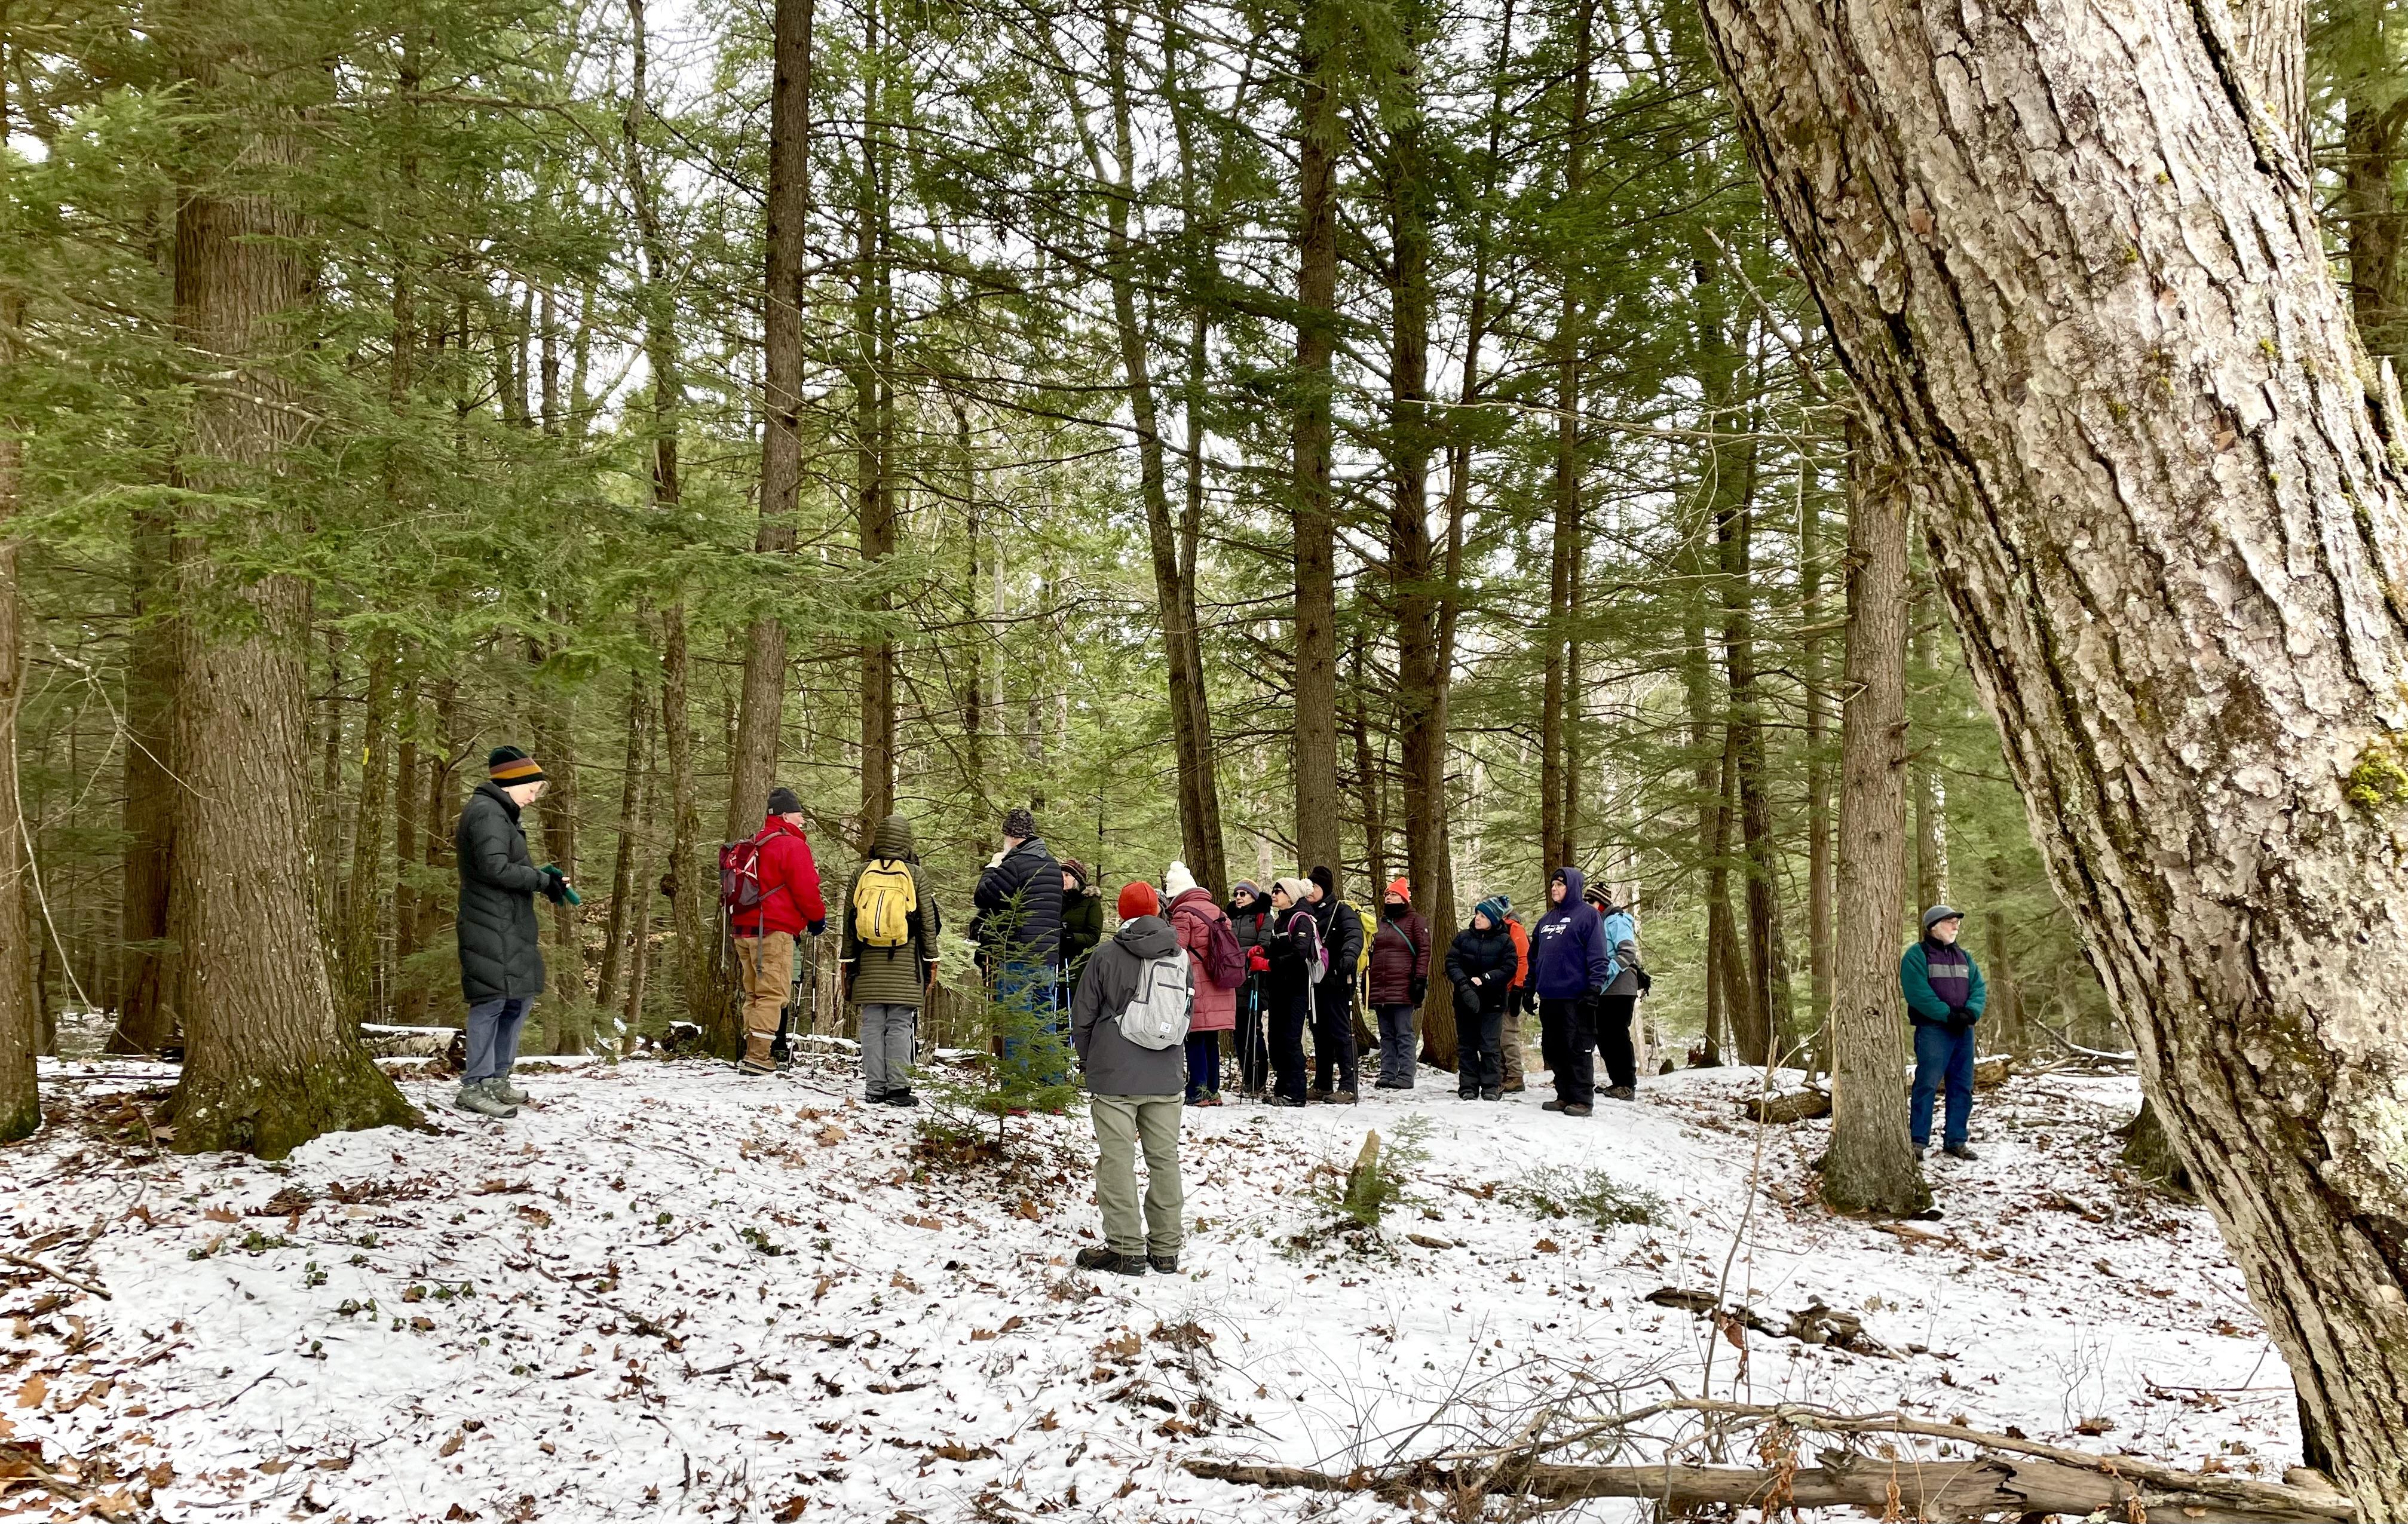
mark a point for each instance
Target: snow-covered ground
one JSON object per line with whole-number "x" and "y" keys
{"x": 664, "y": 1292}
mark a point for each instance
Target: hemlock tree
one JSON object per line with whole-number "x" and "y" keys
{"x": 269, "y": 1063}
{"x": 1871, "y": 1165}
{"x": 2071, "y": 259}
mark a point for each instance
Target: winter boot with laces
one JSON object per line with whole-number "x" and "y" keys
{"x": 1112, "y": 1260}
{"x": 1957, "y": 1150}
{"x": 1163, "y": 1264}
{"x": 511, "y": 1094}
{"x": 478, "y": 1098}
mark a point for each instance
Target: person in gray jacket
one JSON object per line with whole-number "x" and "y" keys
{"x": 501, "y": 946}
{"x": 1134, "y": 1096}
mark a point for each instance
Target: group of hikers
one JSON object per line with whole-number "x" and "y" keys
{"x": 1148, "y": 1009}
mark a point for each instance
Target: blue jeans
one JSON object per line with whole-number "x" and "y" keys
{"x": 1942, "y": 1058}
{"x": 1037, "y": 990}
{"x": 1203, "y": 1065}
{"x": 493, "y": 1036}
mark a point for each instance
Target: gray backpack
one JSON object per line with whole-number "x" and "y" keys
{"x": 1156, "y": 1016}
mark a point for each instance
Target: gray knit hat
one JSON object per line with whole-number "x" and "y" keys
{"x": 1939, "y": 913}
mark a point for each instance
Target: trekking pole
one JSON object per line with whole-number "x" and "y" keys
{"x": 781, "y": 1051}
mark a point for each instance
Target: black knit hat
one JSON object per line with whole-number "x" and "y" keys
{"x": 782, "y": 802}
{"x": 1327, "y": 880}
{"x": 509, "y": 767}
{"x": 1019, "y": 823}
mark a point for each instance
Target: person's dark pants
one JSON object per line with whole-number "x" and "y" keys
{"x": 1396, "y": 1046}
{"x": 1287, "y": 1020}
{"x": 1203, "y": 1065}
{"x": 1479, "y": 1052}
{"x": 1254, "y": 1040}
{"x": 1333, "y": 1038}
{"x": 1614, "y": 1014}
{"x": 1568, "y": 1043}
{"x": 1942, "y": 1057}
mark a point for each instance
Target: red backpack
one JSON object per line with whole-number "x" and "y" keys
{"x": 739, "y": 875}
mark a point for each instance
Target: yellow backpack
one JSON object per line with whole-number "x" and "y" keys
{"x": 883, "y": 899}
{"x": 1370, "y": 932}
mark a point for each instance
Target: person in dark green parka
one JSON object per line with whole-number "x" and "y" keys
{"x": 1083, "y": 924}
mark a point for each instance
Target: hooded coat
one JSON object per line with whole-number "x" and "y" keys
{"x": 1192, "y": 914}
{"x": 1569, "y": 956}
{"x": 1400, "y": 957}
{"x": 501, "y": 946}
{"x": 893, "y": 975}
{"x": 1083, "y": 927}
{"x": 1020, "y": 906}
{"x": 1114, "y": 1065}
{"x": 790, "y": 883}
{"x": 1490, "y": 954}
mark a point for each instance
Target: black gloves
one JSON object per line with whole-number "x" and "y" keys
{"x": 1421, "y": 991}
{"x": 1959, "y": 1019}
{"x": 1646, "y": 980}
{"x": 555, "y": 884}
{"x": 816, "y": 927}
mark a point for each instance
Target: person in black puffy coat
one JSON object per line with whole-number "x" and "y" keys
{"x": 1481, "y": 963}
{"x": 501, "y": 949}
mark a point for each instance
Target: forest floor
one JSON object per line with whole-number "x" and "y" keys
{"x": 665, "y": 1292}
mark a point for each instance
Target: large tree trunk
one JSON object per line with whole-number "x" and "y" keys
{"x": 1930, "y": 789}
{"x": 1174, "y": 586}
{"x": 2098, "y": 322}
{"x": 761, "y": 720}
{"x": 146, "y": 1012}
{"x": 1871, "y": 1166}
{"x": 1319, "y": 65}
{"x": 268, "y": 1062}
{"x": 363, "y": 897}
{"x": 1819, "y": 770}
{"x": 2370, "y": 210}
{"x": 625, "y": 912}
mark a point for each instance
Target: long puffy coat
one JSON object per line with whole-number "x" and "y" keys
{"x": 1400, "y": 955}
{"x": 501, "y": 945}
{"x": 1020, "y": 906}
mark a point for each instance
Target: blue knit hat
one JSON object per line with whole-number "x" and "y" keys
{"x": 1494, "y": 908}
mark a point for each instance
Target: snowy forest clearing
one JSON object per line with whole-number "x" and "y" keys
{"x": 664, "y": 1292}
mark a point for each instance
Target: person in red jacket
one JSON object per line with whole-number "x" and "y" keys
{"x": 765, "y": 935}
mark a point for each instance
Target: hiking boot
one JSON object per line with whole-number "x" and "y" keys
{"x": 1491, "y": 1095}
{"x": 1163, "y": 1264}
{"x": 901, "y": 1098}
{"x": 478, "y": 1097}
{"x": 511, "y": 1094}
{"x": 1466, "y": 1095}
{"x": 1112, "y": 1260}
{"x": 1552, "y": 1105}
{"x": 1316, "y": 1097}
{"x": 1918, "y": 1153}
{"x": 1285, "y": 1101}
{"x": 873, "y": 1097}
{"x": 1957, "y": 1150}
{"x": 1578, "y": 1110}
{"x": 1515, "y": 1088}
{"x": 1344, "y": 1098}
{"x": 1211, "y": 1098}
{"x": 1621, "y": 1092}
{"x": 1388, "y": 1085}
{"x": 747, "y": 1064}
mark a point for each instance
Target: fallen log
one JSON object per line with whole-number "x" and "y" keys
{"x": 1808, "y": 1103}
{"x": 1931, "y": 1490}
{"x": 1813, "y": 1324}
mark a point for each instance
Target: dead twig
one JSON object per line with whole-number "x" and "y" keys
{"x": 40, "y": 1269}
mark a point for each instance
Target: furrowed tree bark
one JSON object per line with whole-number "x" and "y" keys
{"x": 2072, "y": 264}
{"x": 268, "y": 1062}
{"x": 1174, "y": 586}
{"x": 1319, "y": 65}
{"x": 1871, "y": 1165}
{"x": 363, "y": 899}
{"x": 761, "y": 720}
{"x": 874, "y": 500}
{"x": 1819, "y": 770}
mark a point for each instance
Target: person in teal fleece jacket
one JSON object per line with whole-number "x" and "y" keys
{"x": 1944, "y": 999}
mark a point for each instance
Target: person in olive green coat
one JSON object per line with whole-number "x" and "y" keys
{"x": 1083, "y": 925}
{"x": 890, "y": 929}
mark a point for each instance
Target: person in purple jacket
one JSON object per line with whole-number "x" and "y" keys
{"x": 1570, "y": 964}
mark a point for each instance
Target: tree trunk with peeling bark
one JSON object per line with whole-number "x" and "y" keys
{"x": 2069, "y": 257}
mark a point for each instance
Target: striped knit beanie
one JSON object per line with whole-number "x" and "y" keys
{"x": 509, "y": 767}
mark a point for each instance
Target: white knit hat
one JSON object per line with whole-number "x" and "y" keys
{"x": 1176, "y": 880}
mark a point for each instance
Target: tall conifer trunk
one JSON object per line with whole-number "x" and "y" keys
{"x": 760, "y": 719}
{"x": 146, "y": 1013}
{"x": 268, "y": 1062}
{"x": 21, "y": 1109}
{"x": 1319, "y": 64}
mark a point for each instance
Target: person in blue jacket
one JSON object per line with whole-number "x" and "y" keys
{"x": 1944, "y": 998}
{"x": 1569, "y": 966}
